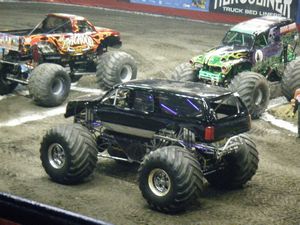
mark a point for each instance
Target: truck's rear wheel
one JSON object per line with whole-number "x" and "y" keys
{"x": 184, "y": 72}
{"x": 49, "y": 84}
{"x": 239, "y": 167}
{"x": 170, "y": 185}
{"x": 6, "y": 86}
{"x": 291, "y": 79}
{"x": 68, "y": 153}
{"x": 253, "y": 89}
{"x": 115, "y": 67}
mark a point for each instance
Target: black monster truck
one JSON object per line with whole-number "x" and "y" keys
{"x": 61, "y": 49}
{"x": 180, "y": 133}
{"x": 252, "y": 55}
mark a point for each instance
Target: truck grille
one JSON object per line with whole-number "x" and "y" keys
{"x": 211, "y": 73}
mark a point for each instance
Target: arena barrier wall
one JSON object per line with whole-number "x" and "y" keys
{"x": 222, "y": 11}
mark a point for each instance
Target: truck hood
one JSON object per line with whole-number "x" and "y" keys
{"x": 221, "y": 55}
{"x": 77, "y": 105}
{"x": 108, "y": 31}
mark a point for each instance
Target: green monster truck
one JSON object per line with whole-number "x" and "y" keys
{"x": 253, "y": 55}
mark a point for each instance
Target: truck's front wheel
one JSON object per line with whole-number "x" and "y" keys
{"x": 68, "y": 153}
{"x": 253, "y": 89}
{"x": 49, "y": 84}
{"x": 115, "y": 67}
{"x": 169, "y": 178}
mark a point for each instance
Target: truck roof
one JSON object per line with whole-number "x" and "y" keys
{"x": 260, "y": 24}
{"x": 68, "y": 16}
{"x": 192, "y": 89}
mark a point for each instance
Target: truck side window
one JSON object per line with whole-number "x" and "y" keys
{"x": 83, "y": 26}
{"x": 180, "y": 105}
{"x": 123, "y": 98}
{"x": 261, "y": 41}
{"x": 57, "y": 25}
{"x": 143, "y": 102}
{"x": 120, "y": 97}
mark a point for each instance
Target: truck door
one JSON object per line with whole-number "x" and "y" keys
{"x": 266, "y": 46}
{"x": 130, "y": 112}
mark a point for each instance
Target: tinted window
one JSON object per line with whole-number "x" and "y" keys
{"x": 177, "y": 105}
{"x": 143, "y": 102}
{"x": 125, "y": 98}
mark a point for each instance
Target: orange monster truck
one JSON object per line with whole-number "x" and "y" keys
{"x": 58, "y": 51}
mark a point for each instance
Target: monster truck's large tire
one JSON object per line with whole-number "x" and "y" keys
{"x": 68, "y": 153}
{"x": 239, "y": 166}
{"x": 115, "y": 67}
{"x": 6, "y": 86}
{"x": 254, "y": 90}
{"x": 49, "y": 84}
{"x": 291, "y": 79}
{"x": 184, "y": 72}
{"x": 169, "y": 178}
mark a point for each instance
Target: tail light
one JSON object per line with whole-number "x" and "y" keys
{"x": 209, "y": 133}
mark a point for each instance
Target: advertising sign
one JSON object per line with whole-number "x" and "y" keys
{"x": 286, "y": 8}
{"x": 200, "y": 5}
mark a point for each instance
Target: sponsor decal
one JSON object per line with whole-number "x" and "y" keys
{"x": 286, "y": 8}
{"x": 9, "y": 42}
{"x": 200, "y": 5}
{"x": 78, "y": 40}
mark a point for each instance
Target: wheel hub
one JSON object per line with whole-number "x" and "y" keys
{"x": 126, "y": 73}
{"x": 159, "y": 182}
{"x": 57, "y": 86}
{"x": 56, "y": 156}
{"x": 258, "y": 97}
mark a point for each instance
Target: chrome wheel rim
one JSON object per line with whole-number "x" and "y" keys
{"x": 57, "y": 86}
{"x": 159, "y": 182}
{"x": 126, "y": 73}
{"x": 56, "y": 156}
{"x": 258, "y": 98}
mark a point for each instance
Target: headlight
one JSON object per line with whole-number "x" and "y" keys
{"x": 225, "y": 69}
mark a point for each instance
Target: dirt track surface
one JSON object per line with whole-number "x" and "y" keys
{"x": 112, "y": 194}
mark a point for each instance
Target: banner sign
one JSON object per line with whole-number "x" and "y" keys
{"x": 286, "y": 8}
{"x": 200, "y": 5}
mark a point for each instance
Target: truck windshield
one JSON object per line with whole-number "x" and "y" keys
{"x": 238, "y": 39}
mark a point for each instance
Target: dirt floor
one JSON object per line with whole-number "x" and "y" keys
{"x": 112, "y": 194}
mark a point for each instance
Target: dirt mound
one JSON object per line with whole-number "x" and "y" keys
{"x": 284, "y": 112}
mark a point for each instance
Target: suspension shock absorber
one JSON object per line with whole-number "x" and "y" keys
{"x": 89, "y": 118}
